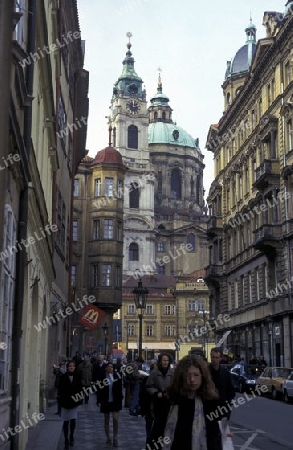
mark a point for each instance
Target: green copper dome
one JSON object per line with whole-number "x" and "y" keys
{"x": 169, "y": 133}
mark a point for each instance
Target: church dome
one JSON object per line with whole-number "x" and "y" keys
{"x": 169, "y": 133}
{"x": 108, "y": 155}
{"x": 243, "y": 58}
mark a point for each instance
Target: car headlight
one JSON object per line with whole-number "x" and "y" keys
{"x": 250, "y": 381}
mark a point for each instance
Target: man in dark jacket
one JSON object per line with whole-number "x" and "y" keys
{"x": 223, "y": 382}
{"x": 99, "y": 373}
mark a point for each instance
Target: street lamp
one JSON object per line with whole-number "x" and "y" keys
{"x": 204, "y": 313}
{"x": 140, "y": 294}
{"x": 105, "y": 329}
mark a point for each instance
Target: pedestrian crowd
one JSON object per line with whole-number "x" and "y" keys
{"x": 176, "y": 402}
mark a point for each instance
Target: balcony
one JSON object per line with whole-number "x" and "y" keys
{"x": 268, "y": 238}
{"x": 268, "y": 173}
{"x": 215, "y": 225}
{"x": 213, "y": 273}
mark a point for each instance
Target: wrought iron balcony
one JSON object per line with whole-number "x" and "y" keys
{"x": 267, "y": 173}
{"x": 268, "y": 238}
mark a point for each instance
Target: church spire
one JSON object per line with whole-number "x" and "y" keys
{"x": 250, "y": 31}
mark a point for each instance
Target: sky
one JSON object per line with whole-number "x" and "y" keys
{"x": 190, "y": 40}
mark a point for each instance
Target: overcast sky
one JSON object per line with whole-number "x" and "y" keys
{"x": 190, "y": 40}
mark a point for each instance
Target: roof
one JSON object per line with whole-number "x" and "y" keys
{"x": 108, "y": 155}
{"x": 155, "y": 284}
{"x": 169, "y": 133}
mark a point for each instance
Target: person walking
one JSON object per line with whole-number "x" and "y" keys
{"x": 156, "y": 386}
{"x": 85, "y": 371}
{"x": 193, "y": 397}
{"x": 99, "y": 374}
{"x": 222, "y": 380}
{"x": 58, "y": 370}
{"x": 111, "y": 402}
{"x": 134, "y": 378}
{"x": 69, "y": 386}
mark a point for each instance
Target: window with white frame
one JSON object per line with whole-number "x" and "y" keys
{"x": 257, "y": 287}
{"x": 7, "y": 288}
{"x": 106, "y": 274}
{"x": 250, "y": 287}
{"x": 236, "y": 301}
{"x": 170, "y": 330}
{"x": 169, "y": 309}
{"x": 96, "y": 229}
{"x": 76, "y": 187}
{"x": 109, "y": 184}
{"x": 149, "y": 330}
{"x": 130, "y": 330}
{"x": 192, "y": 305}
{"x": 98, "y": 187}
{"x": 149, "y": 309}
{"x": 161, "y": 247}
{"x": 131, "y": 309}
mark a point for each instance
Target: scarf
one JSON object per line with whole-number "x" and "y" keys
{"x": 198, "y": 426}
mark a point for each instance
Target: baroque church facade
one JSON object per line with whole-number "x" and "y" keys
{"x": 164, "y": 213}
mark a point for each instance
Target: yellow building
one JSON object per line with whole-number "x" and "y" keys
{"x": 250, "y": 228}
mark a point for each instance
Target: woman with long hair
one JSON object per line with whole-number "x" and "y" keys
{"x": 111, "y": 402}
{"x": 193, "y": 398}
{"x": 69, "y": 386}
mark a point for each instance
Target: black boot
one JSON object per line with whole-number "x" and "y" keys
{"x": 72, "y": 428}
{"x": 65, "y": 431}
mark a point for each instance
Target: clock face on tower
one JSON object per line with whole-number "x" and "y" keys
{"x": 133, "y": 106}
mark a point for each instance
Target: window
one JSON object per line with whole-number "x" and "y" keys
{"x": 118, "y": 276}
{"x": 76, "y": 188}
{"x": 109, "y": 187}
{"x": 108, "y": 228}
{"x": 170, "y": 330}
{"x": 96, "y": 229}
{"x": 149, "y": 309}
{"x": 289, "y": 135}
{"x": 228, "y": 97}
{"x": 133, "y": 252}
{"x": 119, "y": 231}
{"x": 75, "y": 230}
{"x": 161, "y": 269}
{"x": 95, "y": 275}
{"x": 163, "y": 116}
{"x": 176, "y": 184}
{"x": 120, "y": 189}
{"x": 132, "y": 137}
{"x": 250, "y": 287}
{"x": 114, "y": 137}
{"x": 134, "y": 195}
{"x": 97, "y": 187}
{"x": 131, "y": 309}
{"x": 192, "y": 305}
{"x": 149, "y": 330}
{"x": 287, "y": 74}
{"x": 257, "y": 287}
{"x": 106, "y": 274}
{"x": 73, "y": 275}
{"x": 236, "y": 303}
{"x": 62, "y": 121}
{"x": 161, "y": 247}
{"x": 191, "y": 242}
{"x": 130, "y": 330}
{"x": 7, "y": 283}
{"x": 169, "y": 309}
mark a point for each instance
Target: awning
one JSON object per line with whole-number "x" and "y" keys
{"x": 153, "y": 346}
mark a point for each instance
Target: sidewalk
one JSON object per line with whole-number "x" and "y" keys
{"x": 89, "y": 434}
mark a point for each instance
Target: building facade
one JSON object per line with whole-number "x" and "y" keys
{"x": 250, "y": 226}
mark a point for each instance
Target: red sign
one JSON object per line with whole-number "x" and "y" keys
{"x": 91, "y": 316}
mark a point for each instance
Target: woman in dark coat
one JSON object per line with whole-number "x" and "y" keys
{"x": 191, "y": 424}
{"x": 111, "y": 401}
{"x": 70, "y": 393}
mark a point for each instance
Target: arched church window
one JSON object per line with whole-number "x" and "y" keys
{"x": 134, "y": 195}
{"x": 163, "y": 116}
{"x": 155, "y": 115}
{"x": 176, "y": 184}
{"x": 228, "y": 98}
{"x": 191, "y": 242}
{"x": 132, "y": 141}
{"x": 133, "y": 252}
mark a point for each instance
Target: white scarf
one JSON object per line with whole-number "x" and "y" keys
{"x": 199, "y": 441}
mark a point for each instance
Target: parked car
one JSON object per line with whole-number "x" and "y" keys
{"x": 244, "y": 377}
{"x": 288, "y": 389}
{"x": 273, "y": 378}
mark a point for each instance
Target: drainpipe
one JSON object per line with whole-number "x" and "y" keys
{"x": 6, "y": 28}
{"x": 21, "y": 258}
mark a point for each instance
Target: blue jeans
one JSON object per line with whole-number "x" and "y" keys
{"x": 134, "y": 401}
